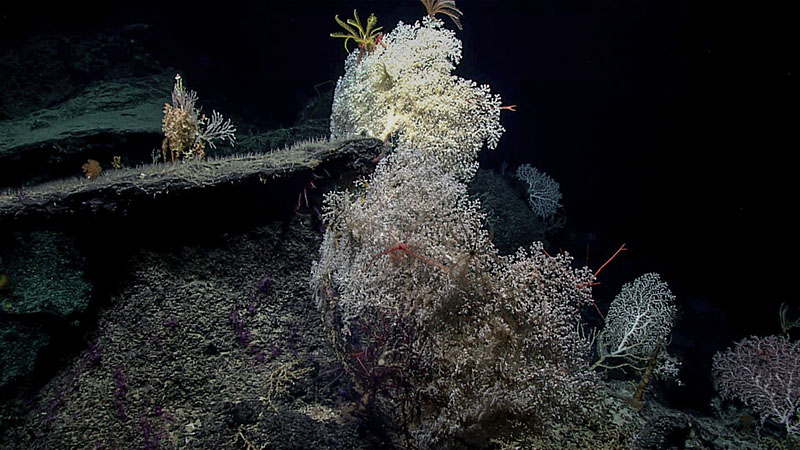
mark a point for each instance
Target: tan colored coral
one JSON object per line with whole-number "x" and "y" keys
{"x": 91, "y": 169}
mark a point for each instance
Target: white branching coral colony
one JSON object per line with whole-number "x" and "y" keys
{"x": 451, "y": 342}
{"x": 407, "y": 92}
{"x": 442, "y": 334}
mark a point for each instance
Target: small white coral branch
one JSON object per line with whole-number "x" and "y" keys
{"x": 218, "y": 129}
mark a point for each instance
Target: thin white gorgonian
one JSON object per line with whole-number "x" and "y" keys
{"x": 544, "y": 193}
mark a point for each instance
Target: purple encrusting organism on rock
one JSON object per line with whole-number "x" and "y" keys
{"x": 239, "y": 314}
{"x": 265, "y": 285}
{"x": 94, "y": 354}
{"x": 151, "y": 437}
{"x": 238, "y": 325}
{"x": 120, "y": 395}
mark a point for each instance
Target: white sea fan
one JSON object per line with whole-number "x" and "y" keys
{"x": 543, "y": 192}
{"x": 764, "y": 373}
{"x": 639, "y": 320}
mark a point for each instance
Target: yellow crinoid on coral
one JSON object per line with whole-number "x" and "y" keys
{"x": 367, "y": 37}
